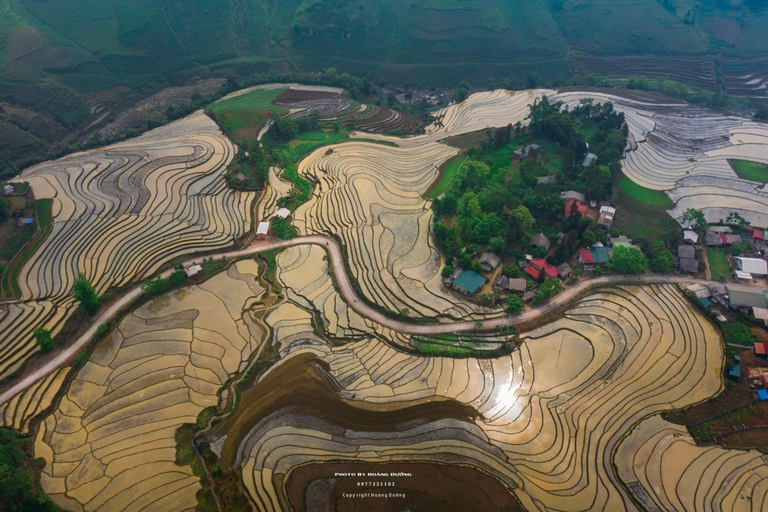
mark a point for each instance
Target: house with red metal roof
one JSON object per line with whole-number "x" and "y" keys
{"x": 761, "y": 350}
{"x": 537, "y": 264}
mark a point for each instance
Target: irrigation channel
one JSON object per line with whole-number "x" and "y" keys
{"x": 349, "y": 294}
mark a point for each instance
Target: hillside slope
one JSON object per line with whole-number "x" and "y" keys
{"x": 54, "y": 55}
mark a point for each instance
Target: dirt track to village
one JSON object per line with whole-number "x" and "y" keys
{"x": 349, "y": 294}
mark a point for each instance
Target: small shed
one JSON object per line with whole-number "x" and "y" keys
{"x": 565, "y": 271}
{"x": 690, "y": 237}
{"x": 755, "y": 266}
{"x": 690, "y": 265}
{"x": 605, "y": 219}
{"x": 8, "y": 190}
{"x": 719, "y": 229}
{"x": 734, "y": 372}
{"x": 283, "y": 213}
{"x": 489, "y": 261}
{"x": 686, "y": 251}
{"x": 548, "y": 180}
{"x": 761, "y": 350}
{"x": 589, "y": 160}
{"x": 193, "y": 270}
{"x": 24, "y": 221}
{"x": 262, "y": 231}
{"x": 540, "y": 241}
{"x": 572, "y": 194}
{"x": 762, "y": 394}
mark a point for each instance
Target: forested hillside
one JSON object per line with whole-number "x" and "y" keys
{"x": 61, "y": 61}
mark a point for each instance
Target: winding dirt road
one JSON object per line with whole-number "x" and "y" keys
{"x": 348, "y": 291}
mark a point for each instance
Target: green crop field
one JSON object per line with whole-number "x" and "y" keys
{"x": 450, "y": 173}
{"x": 747, "y": 170}
{"x": 718, "y": 264}
{"x": 644, "y": 195}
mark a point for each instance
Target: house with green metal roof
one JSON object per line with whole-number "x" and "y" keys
{"x": 601, "y": 255}
{"x": 468, "y": 282}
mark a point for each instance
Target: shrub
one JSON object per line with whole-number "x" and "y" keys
{"x": 155, "y": 286}
{"x": 549, "y": 289}
{"x": 448, "y": 271}
{"x": 177, "y": 278}
{"x": 85, "y": 294}
{"x": 514, "y": 304}
{"x": 282, "y": 229}
{"x": 44, "y": 339}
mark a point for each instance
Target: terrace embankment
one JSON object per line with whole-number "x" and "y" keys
{"x": 304, "y": 383}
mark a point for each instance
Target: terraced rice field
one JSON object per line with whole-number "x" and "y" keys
{"x": 109, "y": 444}
{"x": 665, "y": 470}
{"x": 119, "y": 214}
{"x": 370, "y": 197}
{"x": 550, "y": 414}
{"x": 17, "y": 412}
{"x": 685, "y": 150}
{"x": 277, "y": 188}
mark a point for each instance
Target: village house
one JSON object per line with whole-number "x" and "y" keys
{"x": 572, "y": 194}
{"x": 606, "y": 216}
{"x": 489, "y": 261}
{"x": 589, "y": 160}
{"x": 565, "y": 271}
{"x": 743, "y": 296}
{"x": 262, "y": 231}
{"x": 580, "y": 207}
{"x": 687, "y": 261}
{"x": 540, "y": 241}
{"x": 509, "y": 284}
{"x": 690, "y": 237}
{"x": 283, "y": 213}
{"x": 548, "y": 180}
{"x": 712, "y": 239}
{"x": 525, "y": 152}
{"x": 468, "y": 282}
{"x": 586, "y": 260}
{"x": 536, "y": 265}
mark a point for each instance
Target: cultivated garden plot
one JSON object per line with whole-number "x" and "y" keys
{"x": 665, "y": 470}
{"x": 551, "y": 413}
{"x": 110, "y": 444}
{"x": 119, "y": 214}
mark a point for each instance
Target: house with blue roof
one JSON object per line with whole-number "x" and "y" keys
{"x": 468, "y": 282}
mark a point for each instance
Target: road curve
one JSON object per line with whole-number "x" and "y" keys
{"x": 348, "y": 291}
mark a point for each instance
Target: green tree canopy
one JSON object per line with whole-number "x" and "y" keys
{"x": 44, "y": 339}
{"x": 629, "y": 261}
{"x": 85, "y": 294}
{"x": 514, "y": 304}
{"x": 523, "y": 216}
{"x": 696, "y": 219}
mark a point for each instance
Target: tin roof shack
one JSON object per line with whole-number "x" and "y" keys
{"x": 761, "y": 350}
{"x": 572, "y": 206}
{"x": 605, "y": 219}
{"x": 689, "y": 265}
{"x": 589, "y": 160}
{"x": 565, "y": 271}
{"x": 742, "y": 296}
{"x": 572, "y": 194}
{"x": 754, "y": 266}
{"x": 468, "y": 282}
{"x": 489, "y": 261}
{"x": 262, "y": 231}
{"x": 690, "y": 237}
{"x": 712, "y": 239}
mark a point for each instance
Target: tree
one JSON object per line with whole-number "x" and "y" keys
{"x": 155, "y": 286}
{"x": 448, "y": 271}
{"x": 762, "y": 112}
{"x": 514, "y": 304}
{"x": 629, "y": 261}
{"x": 523, "y": 216}
{"x": 661, "y": 259}
{"x": 497, "y": 244}
{"x": 177, "y": 277}
{"x": 696, "y": 219}
{"x": 548, "y": 289}
{"x": 4, "y": 209}
{"x": 44, "y": 339}
{"x": 85, "y": 294}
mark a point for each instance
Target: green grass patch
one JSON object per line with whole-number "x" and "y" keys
{"x": 450, "y": 173}
{"x": 9, "y": 286}
{"x": 270, "y": 257}
{"x": 243, "y": 116}
{"x": 645, "y": 195}
{"x": 440, "y": 349}
{"x": 718, "y": 264}
{"x": 747, "y": 170}
{"x": 739, "y": 333}
{"x": 255, "y": 100}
